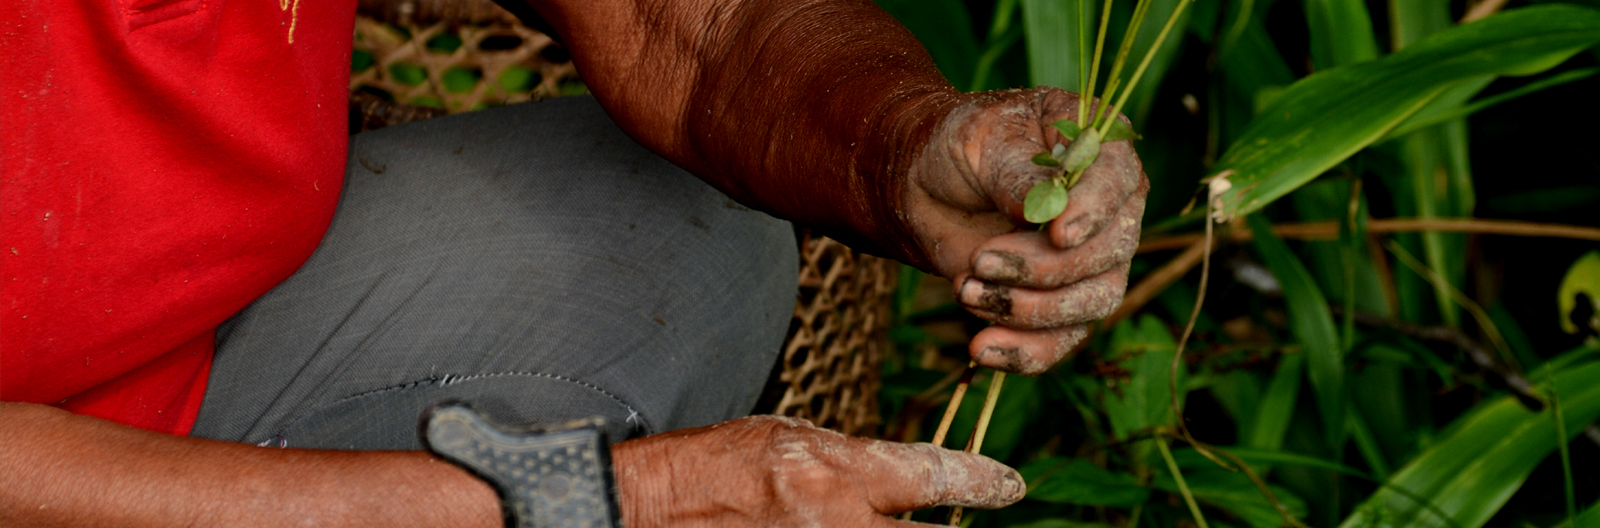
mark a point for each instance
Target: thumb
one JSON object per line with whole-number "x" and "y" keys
{"x": 916, "y": 476}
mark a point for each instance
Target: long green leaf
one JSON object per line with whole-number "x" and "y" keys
{"x": 945, "y": 28}
{"x": 1311, "y": 323}
{"x": 1484, "y": 457}
{"x": 1424, "y": 119}
{"x": 1326, "y": 117}
{"x": 1341, "y": 33}
{"x": 1271, "y": 420}
{"x": 1050, "y": 31}
{"x": 1590, "y": 518}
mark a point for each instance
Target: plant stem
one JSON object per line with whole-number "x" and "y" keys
{"x": 988, "y": 411}
{"x": 1083, "y": 62}
{"x": 1143, "y": 64}
{"x": 1140, "y": 10}
{"x": 955, "y": 403}
{"x": 1561, "y": 442}
{"x": 1183, "y": 487}
{"x": 975, "y": 442}
{"x": 1484, "y": 323}
{"x": 950, "y": 412}
{"x": 1328, "y": 230}
{"x": 1094, "y": 66}
{"x": 1350, "y": 232}
{"x": 1105, "y": 100}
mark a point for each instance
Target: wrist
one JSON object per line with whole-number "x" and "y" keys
{"x": 910, "y": 133}
{"x": 642, "y": 489}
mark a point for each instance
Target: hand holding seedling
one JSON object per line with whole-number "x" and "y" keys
{"x": 1041, "y": 282}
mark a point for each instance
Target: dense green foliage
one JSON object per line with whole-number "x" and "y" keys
{"x": 1460, "y": 395}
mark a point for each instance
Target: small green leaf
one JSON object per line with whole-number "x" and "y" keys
{"x": 1082, "y": 151}
{"x": 1119, "y": 131}
{"x": 1044, "y": 202}
{"x": 1068, "y": 128}
{"x": 1043, "y": 159}
{"x": 1583, "y": 277}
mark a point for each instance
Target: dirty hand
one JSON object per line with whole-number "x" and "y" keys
{"x": 964, "y": 204}
{"x": 772, "y": 471}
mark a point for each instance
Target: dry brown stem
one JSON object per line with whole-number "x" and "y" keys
{"x": 1155, "y": 283}
{"x": 1482, "y": 10}
{"x": 1329, "y": 230}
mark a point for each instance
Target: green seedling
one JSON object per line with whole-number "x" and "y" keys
{"x": 1048, "y": 198}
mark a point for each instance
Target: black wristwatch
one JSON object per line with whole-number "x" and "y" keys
{"x": 556, "y": 476}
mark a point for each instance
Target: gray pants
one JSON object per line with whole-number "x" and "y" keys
{"x": 531, "y": 259}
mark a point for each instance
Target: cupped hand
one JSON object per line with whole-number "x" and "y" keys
{"x": 770, "y": 471}
{"x": 964, "y": 205}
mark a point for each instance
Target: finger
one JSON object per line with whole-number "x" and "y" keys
{"x": 886, "y": 522}
{"x": 1114, "y": 178}
{"x": 1027, "y": 352}
{"x": 916, "y": 476}
{"x": 1028, "y": 259}
{"x": 1002, "y": 159}
{"x": 1086, "y": 300}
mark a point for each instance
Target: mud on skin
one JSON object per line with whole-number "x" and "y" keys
{"x": 777, "y": 471}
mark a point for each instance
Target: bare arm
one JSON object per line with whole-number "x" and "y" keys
{"x": 61, "y": 469}
{"x": 829, "y": 113}
{"x": 802, "y": 108}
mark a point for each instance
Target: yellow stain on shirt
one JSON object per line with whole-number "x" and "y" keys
{"x": 293, "y": 7}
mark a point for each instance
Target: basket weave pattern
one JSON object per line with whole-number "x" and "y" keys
{"x": 829, "y": 370}
{"x": 830, "y": 362}
{"x": 487, "y": 50}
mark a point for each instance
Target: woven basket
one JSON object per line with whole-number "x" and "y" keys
{"x": 416, "y": 59}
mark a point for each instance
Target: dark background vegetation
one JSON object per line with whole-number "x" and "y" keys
{"x": 1083, "y": 433}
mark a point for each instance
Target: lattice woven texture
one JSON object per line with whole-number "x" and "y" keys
{"x": 830, "y": 364}
{"x": 829, "y": 370}
{"x": 455, "y": 56}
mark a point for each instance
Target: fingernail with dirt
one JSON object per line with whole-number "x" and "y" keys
{"x": 999, "y": 266}
{"x": 1076, "y": 233}
{"x": 992, "y": 298}
{"x": 1015, "y": 487}
{"x": 1007, "y": 359}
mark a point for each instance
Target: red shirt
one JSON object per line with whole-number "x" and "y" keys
{"x": 162, "y": 164}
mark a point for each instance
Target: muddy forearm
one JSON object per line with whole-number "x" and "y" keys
{"x": 61, "y": 469}
{"x": 811, "y": 110}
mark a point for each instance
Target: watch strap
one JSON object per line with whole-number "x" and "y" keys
{"x": 555, "y": 476}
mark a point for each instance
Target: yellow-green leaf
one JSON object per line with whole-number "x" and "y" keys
{"x": 1044, "y": 202}
{"x": 1119, "y": 131}
{"x": 1583, "y": 277}
{"x": 1043, "y": 159}
{"x": 1082, "y": 151}
{"x": 1068, "y": 128}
